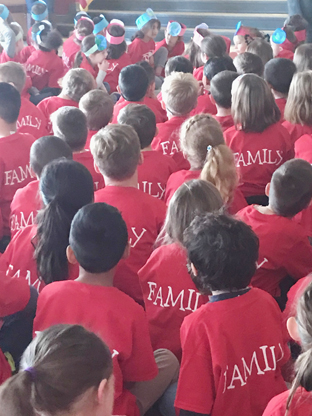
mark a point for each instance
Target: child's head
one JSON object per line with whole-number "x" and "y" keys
{"x": 148, "y": 25}
{"x": 98, "y": 107}
{"x": 13, "y": 73}
{"x": 80, "y": 15}
{"x": 39, "y": 11}
{"x": 279, "y": 73}
{"x": 150, "y": 72}
{"x": 222, "y": 252}
{"x": 283, "y": 39}
{"x": 290, "y": 190}
{"x": 248, "y": 63}
{"x": 19, "y": 34}
{"x": 116, "y": 151}
{"x": 193, "y": 50}
{"x": 216, "y": 65}
{"x": 262, "y": 48}
{"x": 46, "y": 149}
{"x": 115, "y": 35}
{"x": 253, "y": 105}
{"x": 221, "y": 88}
{"x": 298, "y": 108}
{"x": 94, "y": 48}
{"x": 179, "y": 93}
{"x": 303, "y": 57}
{"x": 197, "y": 133}
{"x": 213, "y": 46}
{"x": 65, "y": 370}
{"x": 100, "y": 25}
{"x": 133, "y": 83}
{"x": 243, "y": 36}
{"x": 174, "y": 33}
{"x": 299, "y": 25}
{"x": 142, "y": 119}
{"x": 76, "y": 83}
{"x": 178, "y": 64}
{"x": 46, "y": 38}
{"x": 84, "y": 27}
{"x": 10, "y": 103}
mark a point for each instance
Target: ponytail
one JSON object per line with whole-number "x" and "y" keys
{"x": 138, "y": 34}
{"x": 15, "y": 396}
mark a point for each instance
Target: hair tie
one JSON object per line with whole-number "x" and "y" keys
{"x": 209, "y": 148}
{"x": 32, "y": 372}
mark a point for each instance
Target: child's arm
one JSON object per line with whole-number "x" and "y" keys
{"x": 8, "y": 38}
{"x": 103, "y": 67}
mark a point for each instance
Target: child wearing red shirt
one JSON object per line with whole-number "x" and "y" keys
{"x": 239, "y": 367}
{"x": 248, "y": 63}
{"x": 116, "y": 152}
{"x": 12, "y": 43}
{"x": 283, "y": 43}
{"x": 39, "y": 11}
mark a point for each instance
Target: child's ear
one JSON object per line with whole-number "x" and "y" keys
{"x": 212, "y": 99}
{"x": 70, "y": 255}
{"x": 194, "y": 270}
{"x": 292, "y": 328}
{"x": 141, "y": 160}
{"x": 126, "y": 253}
{"x": 118, "y": 89}
{"x": 157, "y": 131}
{"x": 267, "y": 189}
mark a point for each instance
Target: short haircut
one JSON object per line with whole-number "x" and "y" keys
{"x": 213, "y": 46}
{"x": 298, "y": 108}
{"x": 178, "y": 64}
{"x": 262, "y": 48}
{"x": 98, "y": 107}
{"x": 76, "y": 83}
{"x": 98, "y": 237}
{"x": 249, "y": 63}
{"x": 10, "y": 103}
{"x": 278, "y": 73}
{"x": 215, "y": 65}
{"x": 291, "y": 188}
{"x": 142, "y": 119}
{"x": 70, "y": 124}
{"x": 116, "y": 151}
{"x": 221, "y": 88}
{"x": 303, "y": 57}
{"x": 223, "y": 250}
{"x": 133, "y": 82}
{"x": 179, "y": 93}
{"x": 150, "y": 72}
{"x": 46, "y": 149}
{"x": 13, "y": 72}
{"x": 296, "y": 22}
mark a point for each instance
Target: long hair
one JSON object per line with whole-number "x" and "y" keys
{"x": 149, "y": 25}
{"x": 116, "y": 51}
{"x": 298, "y": 108}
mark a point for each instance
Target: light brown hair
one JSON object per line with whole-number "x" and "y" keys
{"x": 179, "y": 93}
{"x": 303, "y": 57}
{"x": 262, "y": 48}
{"x": 13, "y": 72}
{"x": 76, "y": 83}
{"x": 98, "y": 107}
{"x": 248, "y": 63}
{"x": 298, "y": 108}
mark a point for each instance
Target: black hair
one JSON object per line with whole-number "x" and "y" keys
{"x": 46, "y": 149}
{"x": 249, "y": 63}
{"x": 215, "y": 65}
{"x": 66, "y": 186}
{"x": 296, "y": 23}
{"x": 142, "y": 119}
{"x": 178, "y": 64}
{"x": 279, "y": 73}
{"x": 51, "y": 38}
{"x": 98, "y": 237}
{"x": 84, "y": 28}
{"x": 133, "y": 82}
{"x": 221, "y": 87}
{"x": 149, "y": 25}
{"x": 10, "y": 103}
{"x": 86, "y": 44}
{"x": 150, "y": 72}
{"x": 116, "y": 51}
{"x": 194, "y": 51}
{"x": 213, "y": 46}
{"x": 223, "y": 250}
{"x": 38, "y": 8}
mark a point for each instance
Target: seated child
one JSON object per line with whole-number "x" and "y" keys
{"x": 27, "y": 201}
{"x": 11, "y": 40}
{"x": 299, "y": 26}
{"x": 283, "y": 42}
{"x": 240, "y": 365}
{"x": 98, "y": 107}
{"x": 100, "y": 25}
{"x": 39, "y": 11}
{"x": 248, "y": 63}
{"x": 192, "y": 50}
{"x": 303, "y": 57}
{"x": 243, "y": 36}
{"x": 117, "y": 154}
{"x": 156, "y": 168}
{"x": 262, "y": 48}
{"x": 70, "y": 125}
{"x": 279, "y": 73}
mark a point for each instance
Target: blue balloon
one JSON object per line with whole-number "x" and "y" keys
{"x": 279, "y": 36}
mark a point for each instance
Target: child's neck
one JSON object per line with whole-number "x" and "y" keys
{"x": 64, "y": 96}
{"x": 7, "y": 129}
{"x": 147, "y": 149}
{"x": 82, "y": 150}
{"x": 96, "y": 279}
{"x": 223, "y": 112}
{"x": 264, "y": 210}
{"x": 221, "y": 292}
{"x": 131, "y": 182}
{"x": 278, "y": 95}
{"x": 146, "y": 38}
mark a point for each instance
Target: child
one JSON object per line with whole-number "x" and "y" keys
{"x": 27, "y": 201}
{"x": 256, "y": 118}
{"x": 243, "y": 36}
{"x": 279, "y": 73}
{"x": 100, "y": 25}
{"x": 262, "y": 48}
{"x": 70, "y": 125}
{"x": 168, "y": 299}
{"x": 289, "y": 192}
{"x": 248, "y": 63}
{"x": 303, "y": 57}
{"x": 39, "y": 11}
{"x": 11, "y": 39}
{"x": 240, "y": 364}
{"x": 98, "y": 107}
{"x": 283, "y": 42}
{"x": 116, "y": 152}
{"x": 299, "y": 26}
{"x": 156, "y": 168}
{"x": 81, "y": 381}
{"x": 179, "y": 94}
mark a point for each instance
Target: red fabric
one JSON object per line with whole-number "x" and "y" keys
{"x": 303, "y": 148}
{"x": 31, "y": 120}
{"x": 86, "y": 159}
{"x": 21, "y": 57}
{"x": 232, "y": 354}
{"x": 139, "y": 50}
{"x": 169, "y": 295}
{"x": 284, "y": 53}
{"x": 304, "y": 218}
{"x": 301, "y": 404}
{"x": 152, "y": 103}
{"x": 204, "y": 105}
{"x": 5, "y": 369}
{"x": 91, "y": 133}
{"x": 296, "y": 130}
{"x": 177, "y": 50}
{"x": 70, "y": 50}
{"x": 114, "y": 317}
{"x": 228, "y": 43}
{"x": 198, "y": 73}
{"x": 294, "y": 294}
{"x": 14, "y": 295}
{"x": 29, "y": 36}
{"x": 281, "y": 104}
{"x": 85, "y": 64}
{"x": 154, "y": 172}
{"x": 144, "y": 216}
{"x": 113, "y": 71}
{"x": 225, "y": 122}
{"x": 44, "y": 69}
{"x": 258, "y": 155}
{"x": 177, "y": 179}
{"x": 239, "y": 202}
{"x": 167, "y": 141}
{"x": 27, "y": 86}
{"x": 278, "y": 237}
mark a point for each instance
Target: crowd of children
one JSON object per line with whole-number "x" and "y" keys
{"x": 155, "y": 220}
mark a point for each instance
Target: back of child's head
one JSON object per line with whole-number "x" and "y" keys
{"x": 221, "y": 88}
{"x": 13, "y": 73}
{"x": 98, "y": 107}
{"x": 178, "y": 64}
{"x": 115, "y": 51}
{"x": 10, "y": 103}
{"x": 100, "y": 24}
{"x": 298, "y": 108}
{"x": 116, "y": 151}
{"x": 83, "y": 28}
{"x": 303, "y": 57}
{"x": 291, "y": 188}
{"x": 253, "y": 105}
{"x": 133, "y": 82}
{"x": 87, "y": 44}
{"x": 98, "y": 237}
{"x": 197, "y": 133}
{"x": 39, "y": 11}
{"x": 262, "y": 48}
{"x": 215, "y": 65}
{"x": 213, "y": 46}
{"x": 46, "y": 38}
{"x": 150, "y": 72}
{"x": 70, "y": 124}
{"x": 76, "y": 83}
{"x": 278, "y": 73}
{"x": 45, "y": 150}
{"x": 179, "y": 93}
{"x": 223, "y": 250}
{"x": 248, "y": 63}
{"x": 142, "y": 119}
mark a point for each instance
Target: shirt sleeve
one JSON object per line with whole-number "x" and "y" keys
{"x": 56, "y": 73}
{"x": 299, "y": 263}
{"x": 8, "y": 42}
{"x": 14, "y": 294}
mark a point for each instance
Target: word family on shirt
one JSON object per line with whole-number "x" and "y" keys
{"x": 17, "y": 222}
{"x": 146, "y": 56}
{"x": 154, "y": 189}
{"x": 260, "y": 157}
{"x": 171, "y": 147}
{"x": 136, "y": 235}
{"x": 14, "y": 176}
{"x": 30, "y": 121}
{"x": 36, "y": 282}
{"x": 35, "y": 69}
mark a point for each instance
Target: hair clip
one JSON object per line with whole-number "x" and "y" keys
{"x": 209, "y": 148}
{"x": 32, "y": 372}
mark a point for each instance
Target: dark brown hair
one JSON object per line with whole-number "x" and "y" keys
{"x": 149, "y": 25}
{"x": 98, "y": 107}
{"x": 116, "y": 51}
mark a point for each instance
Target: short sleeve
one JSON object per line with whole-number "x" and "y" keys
{"x": 56, "y": 73}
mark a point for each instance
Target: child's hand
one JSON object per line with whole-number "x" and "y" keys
{"x": 151, "y": 61}
{"x": 201, "y": 88}
{"x": 103, "y": 66}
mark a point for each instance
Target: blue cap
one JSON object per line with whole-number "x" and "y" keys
{"x": 101, "y": 25}
{"x": 145, "y": 18}
{"x": 5, "y": 12}
{"x": 174, "y": 29}
{"x": 279, "y": 36}
{"x": 42, "y": 16}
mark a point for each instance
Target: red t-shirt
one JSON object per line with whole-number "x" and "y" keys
{"x": 152, "y": 103}
{"x": 113, "y": 316}
{"x": 44, "y": 69}
{"x": 144, "y": 216}
{"x": 70, "y": 49}
{"x": 31, "y": 120}
{"x": 225, "y": 122}
{"x": 154, "y": 172}
{"x": 293, "y": 296}
{"x": 284, "y": 53}
{"x": 167, "y": 141}
{"x": 85, "y": 64}
{"x": 169, "y": 295}
{"x": 91, "y": 133}
{"x": 86, "y": 159}
{"x": 304, "y": 218}
{"x": 177, "y": 179}
{"x": 239, "y": 202}
{"x": 139, "y": 50}
{"x": 177, "y": 50}
{"x": 21, "y": 57}
{"x": 258, "y": 155}
{"x": 232, "y": 354}
{"x": 303, "y": 148}
{"x": 204, "y": 105}
{"x": 301, "y": 404}
{"x": 278, "y": 237}
{"x": 14, "y": 295}
{"x": 281, "y": 104}
{"x": 198, "y": 73}
{"x": 51, "y": 104}
{"x": 296, "y": 130}
{"x": 113, "y": 71}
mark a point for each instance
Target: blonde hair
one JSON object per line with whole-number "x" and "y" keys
{"x": 98, "y": 107}
{"x": 196, "y": 134}
{"x": 179, "y": 93}
{"x": 298, "y": 108}
{"x": 77, "y": 82}
{"x": 303, "y": 57}
{"x": 13, "y": 72}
